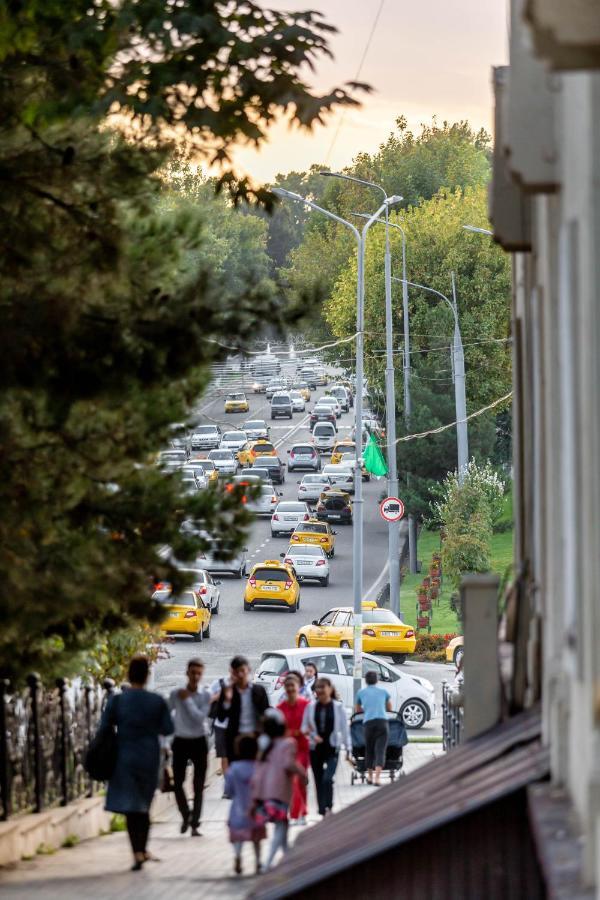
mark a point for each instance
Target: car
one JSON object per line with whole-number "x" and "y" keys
{"x": 324, "y": 435}
{"x": 334, "y": 506}
{"x": 205, "y": 437}
{"x": 349, "y": 459}
{"x": 258, "y": 471}
{"x": 254, "y": 450}
{"x": 259, "y": 385}
{"x": 272, "y": 583}
{"x": 281, "y": 406}
{"x": 308, "y": 374}
{"x": 233, "y": 440}
{"x": 323, "y": 412}
{"x": 274, "y": 466}
{"x": 341, "y": 447}
{"x": 342, "y": 395}
{"x": 273, "y": 386}
{"x": 321, "y": 375}
{"x": 194, "y": 470}
{"x": 303, "y": 388}
{"x": 210, "y": 470}
{"x": 225, "y": 462}
{"x": 298, "y": 401}
{"x": 171, "y": 460}
{"x": 287, "y": 515}
{"x": 265, "y": 503}
{"x": 185, "y": 613}
{"x": 312, "y": 486}
{"x": 236, "y": 403}
{"x": 413, "y": 697}
{"x": 341, "y": 476}
{"x": 189, "y": 484}
{"x": 332, "y": 402}
{"x": 208, "y": 588}
{"x": 455, "y": 650}
{"x": 315, "y": 532}
{"x": 303, "y": 456}
{"x": 309, "y": 562}
{"x": 383, "y": 632}
{"x": 256, "y": 429}
{"x": 235, "y": 566}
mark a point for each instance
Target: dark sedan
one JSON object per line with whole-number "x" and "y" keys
{"x": 322, "y": 414}
{"x": 334, "y": 506}
{"x": 275, "y": 467}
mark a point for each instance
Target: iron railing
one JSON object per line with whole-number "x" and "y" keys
{"x": 452, "y": 718}
{"x": 44, "y": 735}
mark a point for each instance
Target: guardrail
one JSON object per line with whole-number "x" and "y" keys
{"x": 44, "y": 735}
{"x": 452, "y": 718}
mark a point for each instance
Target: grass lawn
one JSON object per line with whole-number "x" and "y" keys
{"x": 443, "y": 619}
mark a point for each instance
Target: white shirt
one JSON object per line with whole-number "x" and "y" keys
{"x": 247, "y": 713}
{"x": 190, "y": 714}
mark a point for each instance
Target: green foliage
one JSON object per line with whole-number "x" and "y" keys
{"x": 467, "y": 518}
{"x": 483, "y": 479}
{"x": 111, "y": 652}
{"x": 117, "y": 288}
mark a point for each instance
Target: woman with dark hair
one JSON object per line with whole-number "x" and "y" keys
{"x": 311, "y": 674}
{"x": 238, "y": 789}
{"x": 138, "y": 717}
{"x": 326, "y": 724}
{"x": 292, "y": 708}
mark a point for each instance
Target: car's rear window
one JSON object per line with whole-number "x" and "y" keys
{"x": 303, "y": 448}
{"x": 380, "y": 617}
{"x": 324, "y": 430}
{"x": 272, "y": 664}
{"x": 206, "y": 464}
{"x": 291, "y": 507}
{"x": 268, "y": 462}
{"x": 264, "y": 447}
{"x": 221, "y": 454}
{"x": 271, "y": 575}
{"x": 334, "y": 502}
{"x": 280, "y": 401}
{"x": 313, "y": 528}
{"x": 236, "y": 397}
{"x": 315, "y": 479}
{"x": 169, "y": 599}
{"x": 255, "y": 423}
{"x": 304, "y": 550}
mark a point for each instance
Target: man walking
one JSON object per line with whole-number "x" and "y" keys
{"x": 189, "y": 707}
{"x": 375, "y": 703}
{"x": 241, "y": 703}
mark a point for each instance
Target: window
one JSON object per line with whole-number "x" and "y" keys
{"x": 305, "y": 550}
{"x": 169, "y": 599}
{"x": 264, "y": 447}
{"x": 328, "y": 618}
{"x": 313, "y": 528}
{"x": 304, "y": 448}
{"x": 380, "y": 617}
{"x": 272, "y": 664}
{"x": 292, "y": 507}
{"x": 206, "y": 429}
{"x": 326, "y": 664}
{"x": 342, "y": 619}
{"x": 271, "y": 575}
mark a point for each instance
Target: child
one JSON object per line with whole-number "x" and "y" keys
{"x": 238, "y": 788}
{"x": 274, "y": 778}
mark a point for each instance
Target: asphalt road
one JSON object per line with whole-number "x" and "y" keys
{"x": 234, "y": 631}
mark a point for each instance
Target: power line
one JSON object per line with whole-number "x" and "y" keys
{"x": 473, "y": 415}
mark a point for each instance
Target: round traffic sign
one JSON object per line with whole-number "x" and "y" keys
{"x": 391, "y": 509}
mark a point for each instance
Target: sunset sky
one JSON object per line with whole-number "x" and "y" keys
{"x": 432, "y": 57}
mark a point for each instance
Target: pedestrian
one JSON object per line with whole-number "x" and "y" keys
{"x": 292, "y": 708}
{"x": 326, "y": 724}
{"x": 273, "y": 780}
{"x": 311, "y": 673}
{"x": 238, "y": 788}
{"x": 139, "y": 717}
{"x": 374, "y": 703}
{"x": 190, "y": 707}
{"x": 219, "y": 726}
{"x": 240, "y": 703}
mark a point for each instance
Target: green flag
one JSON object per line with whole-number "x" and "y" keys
{"x": 373, "y": 458}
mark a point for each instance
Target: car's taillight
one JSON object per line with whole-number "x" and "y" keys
{"x": 323, "y": 540}
{"x": 306, "y": 517}
{"x": 409, "y": 633}
{"x": 369, "y": 632}
{"x": 320, "y": 562}
{"x": 273, "y": 499}
{"x": 288, "y": 561}
{"x": 295, "y": 537}
{"x": 288, "y": 584}
{"x": 252, "y": 582}
{"x": 280, "y": 679}
{"x": 203, "y": 589}
{"x": 190, "y": 614}
{"x": 302, "y": 487}
{"x": 276, "y": 517}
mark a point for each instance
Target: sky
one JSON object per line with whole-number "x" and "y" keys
{"x": 426, "y": 58}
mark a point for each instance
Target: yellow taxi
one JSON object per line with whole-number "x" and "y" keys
{"x": 251, "y": 451}
{"x": 315, "y": 532}
{"x": 382, "y": 632}
{"x": 208, "y": 467}
{"x": 340, "y": 448}
{"x": 272, "y": 583}
{"x": 455, "y": 650}
{"x": 185, "y": 613}
{"x": 304, "y": 389}
{"x": 235, "y": 403}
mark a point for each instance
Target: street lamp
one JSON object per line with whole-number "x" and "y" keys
{"x": 477, "y": 230}
{"x": 460, "y": 396}
{"x": 357, "y": 537}
{"x": 390, "y": 387}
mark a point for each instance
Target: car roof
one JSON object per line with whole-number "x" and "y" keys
{"x": 321, "y": 651}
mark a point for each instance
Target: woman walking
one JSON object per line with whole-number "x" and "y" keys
{"x": 374, "y": 703}
{"x": 292, "y": 709}
{"x": 326, "y": 724}
{"x": 238, "y": 788}
{"x": 139, "y": 718}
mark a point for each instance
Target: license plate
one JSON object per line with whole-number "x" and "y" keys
{"x": 332, "y": 516}
{"x": 174, "y": 615}
{"x": 269, "y": 587}
{"x": 390, "y": 634}
{"x": 304, "y": 458}
{"x": 289, "y": 518}
{"x": 305, "y": 562}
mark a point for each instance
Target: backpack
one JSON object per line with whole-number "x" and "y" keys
{"x": 101, "y": 756}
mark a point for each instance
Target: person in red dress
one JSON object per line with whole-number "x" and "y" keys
{"x": 292, "y": 709}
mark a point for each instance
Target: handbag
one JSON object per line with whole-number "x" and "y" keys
{"x": 101, "y": 756}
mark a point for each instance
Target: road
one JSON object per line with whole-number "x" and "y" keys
{"x": 234, "y": 631}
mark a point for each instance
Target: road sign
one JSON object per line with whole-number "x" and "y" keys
{"x": 391, "y": 509}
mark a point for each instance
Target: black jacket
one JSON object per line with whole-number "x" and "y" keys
{"x": 260, "y": 701}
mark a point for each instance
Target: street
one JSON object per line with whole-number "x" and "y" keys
{"x": 251, "y": 633}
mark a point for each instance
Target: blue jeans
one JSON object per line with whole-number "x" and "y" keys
{"x": 323, "y": 761}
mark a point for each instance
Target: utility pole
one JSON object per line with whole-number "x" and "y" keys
{"x": 462, "y": 435}
{"x": 390, "y": 400}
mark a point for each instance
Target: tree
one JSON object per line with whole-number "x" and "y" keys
{"x": 116, "y": 294}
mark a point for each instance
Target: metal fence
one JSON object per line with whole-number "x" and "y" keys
{"x": 44, "y": 735}
{"x": 452, "y": 718}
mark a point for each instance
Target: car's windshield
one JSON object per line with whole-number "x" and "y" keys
{"x": 221, "y": 454}
{"x": 255, "y": 423}
{"x": 206, "y": 429}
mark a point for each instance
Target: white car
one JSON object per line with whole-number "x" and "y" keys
{"x": 233, "y": 440}
{"x": 225, "y": 462}
{"x": 266, "y": 503}
{"x": 205, "y": 437}
{"x": 341, "y": 476}
{"x": 193, "y": 470}
{"x": 170, "y": 460}
{"x": 208, "y": 588}
{"x": 298, "y": 401}
{"x": 312, "y": 486}
{"x": 256, "y": 429}
{"x": 332, "y": 402}
{"x": 309, "y": 562}
{"x": 324, "y": 436}
{"x": 412, "y": 697}
{"x": 287, "y": 515}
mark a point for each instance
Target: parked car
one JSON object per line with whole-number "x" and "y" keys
{"x": 412, "y": 696}
{"x": 304, "y": 456}
{"x": 341, "y": 476}
{"x": 288, "y": 514}
{"x": 225, "y": 462}
{"x": 275, "y": 467}
{"x": 205, "y": 437}
{"x": 334, "y": 506}
{"x": 309, "y": 562}
{"x": 312, "y": 486}
{"x": 455, "y": 650}
{"x": 324, "y": 434}
{"x": 281, "y": 406}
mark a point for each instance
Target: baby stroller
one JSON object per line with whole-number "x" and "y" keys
{"x": 393, "y": 756}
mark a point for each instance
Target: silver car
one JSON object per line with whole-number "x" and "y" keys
{"x": 205, "y": 437}
{"x": 235, "y": 566}
{"x": 342, "y": 476}
{"x": 309, "y": 562}
{"x": 208, "y": 588}
{"x": 266, "y": 502}
{"x": 287, "y": 515}
{"x": 256, "y": 429}
{"x": 225, "y": 462}
{"x": 328, "y": 400}
{"x": 312, "y": 486}
{"x": 233, "y": 440}
{"x": 298, "y": 401}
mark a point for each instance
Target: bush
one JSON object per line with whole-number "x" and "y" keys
{"x": 433, "y": 643}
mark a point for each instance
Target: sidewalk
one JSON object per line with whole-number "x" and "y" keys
{"x": 198, "y": 867}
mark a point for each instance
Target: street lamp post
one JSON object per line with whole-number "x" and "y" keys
{"x": 460, "y": 394}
